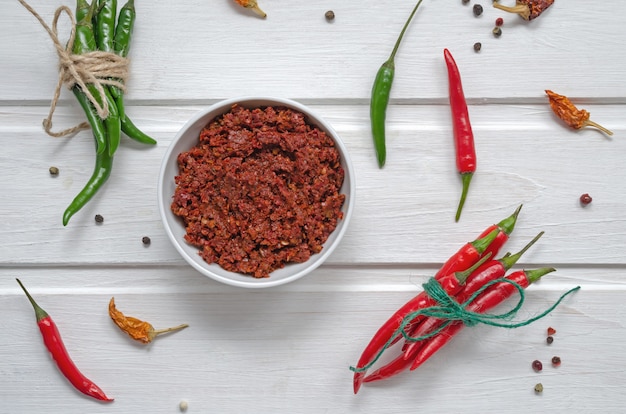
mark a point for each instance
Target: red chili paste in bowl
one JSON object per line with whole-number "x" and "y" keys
{"x": 260, "y": 190}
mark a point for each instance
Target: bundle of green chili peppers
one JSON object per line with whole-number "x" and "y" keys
{"x": 97, "y": 29}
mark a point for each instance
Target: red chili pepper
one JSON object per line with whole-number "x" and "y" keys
{"x": 463, "y": 259}
{"x": 472, "y": 251}
{"x": 451, "y": 283}
{"x": 54, "y": 343}
{"x": 489, "y": 271}
{"x": 489, "y": 299}
{"x": 463, "y": 135}
{"x": 426, "y": 348}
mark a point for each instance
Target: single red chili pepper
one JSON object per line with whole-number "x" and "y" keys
{"x": 451, "y": 283}
{"x": 462, "y": 128}
{"x": 489, "y": 271}
{"x": 493, "y": 296}
{"x": 527, "y": 9}
{"x": 54, "y": 343}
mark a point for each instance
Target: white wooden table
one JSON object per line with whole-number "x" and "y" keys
{"x": 289, "y": 348}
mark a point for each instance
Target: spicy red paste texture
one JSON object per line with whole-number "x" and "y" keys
{"x": 261, "y": 189}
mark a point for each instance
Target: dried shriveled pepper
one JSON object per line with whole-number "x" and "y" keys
{"x": 572, "y": 116}
{"x": 251, "y": 4}
{"x": 527, "y": 9}
{"x": 137, "y": 329}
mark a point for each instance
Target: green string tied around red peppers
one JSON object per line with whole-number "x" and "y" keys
{"x": 380, "y": 96}
{"x": 450, "y": 311}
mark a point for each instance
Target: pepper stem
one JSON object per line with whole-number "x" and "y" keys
{"x": 482, "y": 244}
{"x": 509, "y": 260}
{"x": 255, "y": 8}
{"x": 467, "y": 177}
{"x": 39, "y": 313}
{"x": 406, "y": 24}
{"x": 536, "y": 274}
{"x": 600, "y": 127}
{"x": 508, "y": 224}
{"x": 522, "y": 9}
{"x": 158, "y": 332}
{"x": 463, "y": 275}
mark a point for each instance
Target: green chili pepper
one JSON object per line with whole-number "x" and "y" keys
{"x": 105, "y": 24}
{"x": 380, "y": 96}
{"x": 135, "y": 133}
{"x": 85, "y": 41}
{"x": 97, "y": 126}
{"x": 82, "y": 9}
{"x": 121, "y": 46}
{"x": 124, "y": 28}
{"x": 101, "y": 173}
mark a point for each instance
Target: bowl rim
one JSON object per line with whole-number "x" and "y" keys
{"x": 253, "y": 102}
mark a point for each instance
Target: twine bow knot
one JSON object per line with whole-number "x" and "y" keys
{"x": 91, "y": 72}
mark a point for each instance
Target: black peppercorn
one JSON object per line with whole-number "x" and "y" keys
{"x": 556, "y": 361}
{"x": 99, "y": 218}
{"x": 330, "y": 15}
{"x": 549, "y": 340}
{"x": 146, "y": 240}
{"x": 478, "y": 9}
{"x": 477, "y": 46}
{"x": 465, "y": 1}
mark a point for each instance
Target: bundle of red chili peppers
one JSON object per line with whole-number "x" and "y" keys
{"x": 470, "y": 283}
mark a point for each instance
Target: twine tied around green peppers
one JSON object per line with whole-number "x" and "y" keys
{"x": 96, "y": 68}
{"x": 450, "y": 311}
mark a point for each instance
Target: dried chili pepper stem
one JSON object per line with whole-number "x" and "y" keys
{"x": 576, "y": 118}
{"x": 526, "y": 9}
{"x": 252, "y": 5}
{"x": 137, "y": 329}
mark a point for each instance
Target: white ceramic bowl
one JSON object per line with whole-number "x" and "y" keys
{"x": 188, "y": 137}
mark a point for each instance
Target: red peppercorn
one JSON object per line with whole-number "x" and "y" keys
{"x": 585, "y": 199}
{"x": 556, "y": 361}
{"x": 551, "y": 331}
{"x": 499, "y": 21}
{"x": 537, "y": 365}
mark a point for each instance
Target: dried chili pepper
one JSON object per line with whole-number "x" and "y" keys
{"x": 527, "y": 9}
{"x": 576, "y": 118}
{"x": 463, "y": 135}
{"x": 252, "y": 5}
{"x": 53, "y": 341}
{"x": 137, "y": 329}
